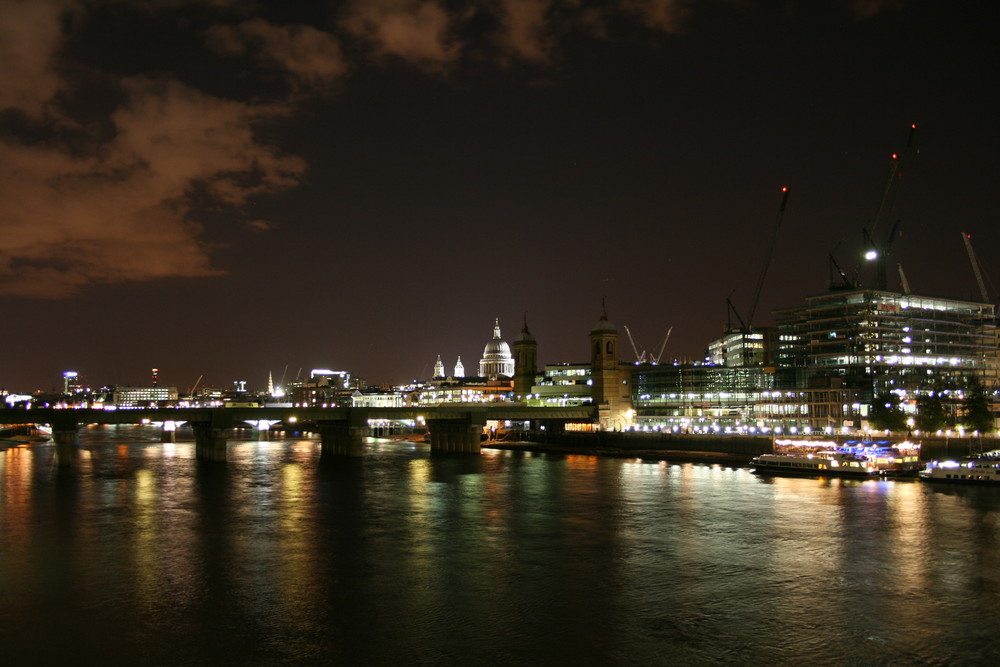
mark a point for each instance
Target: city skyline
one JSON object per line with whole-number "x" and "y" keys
{"x": 220, "y": 191}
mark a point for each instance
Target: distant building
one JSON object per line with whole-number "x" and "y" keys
{"x": 562, "y": 385}
{"x": 824, "y": 363}
{"x": 525, "y": 362}
{"x": 700, "y": 396}
{"x": 469, "y": 390}
{"x": 611, "y": 380}
{"x": 738, "y": 347}
{"x": 848, "y": 346}
{"x": 377, "y": 400}
{"x": 72, "y": 383}
{"x": 129, "y": 397}
{"x": 497, "y": 361}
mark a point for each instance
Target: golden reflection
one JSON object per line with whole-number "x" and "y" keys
{"x": 145, "y": 554}
{"x": 907, "y": 509}
{"x": 297, "y": 554}
{"x": 16, "y": 509}
{"x": 581, "y": 462}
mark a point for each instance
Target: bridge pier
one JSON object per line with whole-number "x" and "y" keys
{"x": 169, "y": 430}
{"x": 342, "y": 437}
{"x": 210, "y": 441}
{"x": 455, "y": 436}
{"x": 67, "y": 441}
{"x": 66, "y": 434}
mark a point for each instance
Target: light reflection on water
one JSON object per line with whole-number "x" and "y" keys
{"x": 141, "y": 553}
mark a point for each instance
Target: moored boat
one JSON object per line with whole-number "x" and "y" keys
{"x": 983, "y": 469}
{"x": 839, "y": 464}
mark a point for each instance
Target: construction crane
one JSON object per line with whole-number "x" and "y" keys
{"x": 639, "y": 359}
{"x": 646, "y": 356}
{"x": 967, "y": 239}
{"x": 902, "y": 279}
{"x": 656, "y": 359}
{"x": 875, "y": 251}
{"x": 745, "y": 325}
{"x": 767, "y": 258}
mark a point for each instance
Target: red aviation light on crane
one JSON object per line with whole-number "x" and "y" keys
{"x": 784, "y": 199}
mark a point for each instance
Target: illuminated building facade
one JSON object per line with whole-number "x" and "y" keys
{"x": 611, "y": 381}
{"x": 125, "y": 397}
{"x": 743, "y": 348}
{"x": 831, "y": 358}
{"x": 886, "y": 341}
{"x": 497, "y": 360}
{"x": 469, "y": 391}
{"x": 72, "y": 383}
{"x": 697, "y": 397}
{"x": 562, "y": 385}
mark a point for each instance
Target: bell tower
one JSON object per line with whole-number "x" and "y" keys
{"x": 525, "y": 362}
{"x": 610, "y": 380}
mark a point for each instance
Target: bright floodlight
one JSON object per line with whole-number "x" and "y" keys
{"x": 871, "y": 254}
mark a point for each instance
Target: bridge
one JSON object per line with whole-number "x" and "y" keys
{"x": 453, "y": 428}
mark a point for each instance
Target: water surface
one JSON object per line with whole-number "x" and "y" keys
{"x": 138, "y": 553}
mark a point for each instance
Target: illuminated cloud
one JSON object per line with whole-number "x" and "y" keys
{"x": 123, "y": 212}
{"x": 120, "y": 198}
{"x": 418, "y": 32}
{"x": 83, "y": 205}
{"x": 526, "y": 29}
{"x": 665, "y": 15}
{"x": 29, "y": 40}
{"x": 312, "y": 57}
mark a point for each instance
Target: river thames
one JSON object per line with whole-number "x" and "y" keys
{"x": 140, "y": 554}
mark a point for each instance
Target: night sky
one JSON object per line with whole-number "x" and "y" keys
{"x": 225, "y": 188}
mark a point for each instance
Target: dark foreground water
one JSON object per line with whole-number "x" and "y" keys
{"x": 139, "y": 554}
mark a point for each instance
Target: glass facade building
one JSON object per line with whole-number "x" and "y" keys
{"x": 821, "y": 366}
{"x": 885, "y": 341}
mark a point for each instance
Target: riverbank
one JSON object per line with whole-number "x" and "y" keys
{"x": 677, "y": 456}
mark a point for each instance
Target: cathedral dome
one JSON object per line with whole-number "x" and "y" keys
{"x": 496, "y": 347}
{"x": 497, "y": 359}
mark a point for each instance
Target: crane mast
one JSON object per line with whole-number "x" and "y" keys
{"x": 876, "y": 251}
{"x": 967, "y": 239}
{"x": 767, "y": 259}
{"x": 656, "y": 359}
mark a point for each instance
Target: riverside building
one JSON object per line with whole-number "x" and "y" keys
{"x": 822, "y": 365}
{"x": 848, "y": 346}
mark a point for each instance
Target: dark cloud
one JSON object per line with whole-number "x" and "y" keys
{"x": 312, "y": 57}
{"x": 421, "y": 33}
{"x": 30, "y": 36}
{"x": 120, "y": 209}
{"x": 116, "y": 205}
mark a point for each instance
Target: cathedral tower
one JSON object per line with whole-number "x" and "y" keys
{"x": 525, "y": 362}
{"x": 610, "y": 380}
